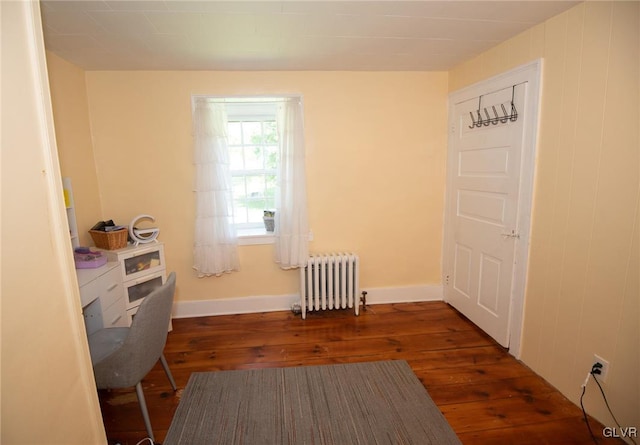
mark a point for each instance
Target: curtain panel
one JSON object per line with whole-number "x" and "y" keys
{"x": 215, "y": 243}
{"x": 291, "y": 226}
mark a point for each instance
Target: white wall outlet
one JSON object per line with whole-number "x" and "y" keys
{"x": 602, "y": 377}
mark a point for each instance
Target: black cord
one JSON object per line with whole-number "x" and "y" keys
{"x": 586, "y": 418}
{"x": 606, "y": 402}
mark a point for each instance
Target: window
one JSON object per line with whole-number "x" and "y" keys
{"x": 243, "y": 133}
{"x": 252, "y": 139}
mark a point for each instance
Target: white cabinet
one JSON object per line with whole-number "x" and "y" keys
{"x": 143, "y": 269}
{"x": 101, "y": 294}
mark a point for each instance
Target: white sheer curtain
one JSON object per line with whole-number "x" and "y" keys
{"x": 291, "y": 226}
{"x": 215, "y": 245}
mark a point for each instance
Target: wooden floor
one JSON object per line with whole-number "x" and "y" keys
{"x": 487, "y": 396}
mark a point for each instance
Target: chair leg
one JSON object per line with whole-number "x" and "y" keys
{"x": 143, "y": 408}
{"x": 167, "y": 371}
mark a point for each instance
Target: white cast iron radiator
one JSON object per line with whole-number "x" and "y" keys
{"x": 330, "y": 281}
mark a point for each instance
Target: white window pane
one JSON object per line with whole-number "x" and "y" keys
{"x": 236, "y": 158}
{"x": 270, "y": 157}
{"x": 234, "y": 130}
{"x": 270, "y": 132}
{"x": 253, "y": 158}
{"x": 251, "y": 132}
{"x": 255, "y": 186}
{"x": 270, "y": 204}
{"x": 239, "y": 213}
{"x": 255, "y": 214}
{"x": 239, "y": 189}
{"x": 255, "y": 209}
{"x": 270, "y": 190}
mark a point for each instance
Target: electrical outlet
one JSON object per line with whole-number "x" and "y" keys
{"x": 605, "y": 367}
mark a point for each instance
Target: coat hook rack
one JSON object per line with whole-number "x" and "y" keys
{"x": 496, "y": 119}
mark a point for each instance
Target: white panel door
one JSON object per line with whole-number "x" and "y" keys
{"x": 482, "y": 221}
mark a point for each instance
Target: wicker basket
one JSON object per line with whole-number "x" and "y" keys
{"x": 110, "y": 240}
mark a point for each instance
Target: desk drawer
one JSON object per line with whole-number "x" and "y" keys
{"x": 138, "y": 261}
{"x": 142, "y": 261}
{"x": 136, "y": 290}
{"x": 111, "y": 288}
{"x": 91, "y": 291}
{"x": 115, "y": 315}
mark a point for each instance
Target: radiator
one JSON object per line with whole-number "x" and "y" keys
{"x": 330, "y": 281}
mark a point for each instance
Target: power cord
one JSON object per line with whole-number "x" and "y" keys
{"x": 596, "y": 370}
{"x": 584, "y": 411}
{"x": 151, "y": 442}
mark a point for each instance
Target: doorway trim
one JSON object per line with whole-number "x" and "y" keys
{"x": 532, "y": 74}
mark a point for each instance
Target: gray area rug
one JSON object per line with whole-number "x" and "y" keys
{"x": 361, "y": 403}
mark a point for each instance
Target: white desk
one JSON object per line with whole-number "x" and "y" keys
{"x": 101, "y": 295}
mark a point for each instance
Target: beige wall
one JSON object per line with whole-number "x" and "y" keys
{"x": 583, "y": 287}
{"x": 376, "y": 145}
{"x": 73, "y": 135}
{"x": 47, "y": 389}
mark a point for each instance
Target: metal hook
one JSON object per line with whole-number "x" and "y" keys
{"x": 488, "y": 121}
{"x": 514, "y": 112}
{"x": 496, "y": 120}
{"x": 479, "y": 121}
{"x": 473, "y": 121}
{"x": 505, "y": 118}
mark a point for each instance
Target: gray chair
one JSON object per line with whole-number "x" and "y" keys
{"x": 122, "y": 357}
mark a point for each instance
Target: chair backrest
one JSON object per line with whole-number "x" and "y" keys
{"x": 144, "y": 343}
{"x": 148, "y": 333}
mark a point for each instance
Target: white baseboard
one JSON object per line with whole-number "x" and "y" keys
{"x": 240, "y": 305}
{"x": 271, "y": 303}
{"x": 404, "y": 294}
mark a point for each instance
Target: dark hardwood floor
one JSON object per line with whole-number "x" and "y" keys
{"x": 487, "y": 396}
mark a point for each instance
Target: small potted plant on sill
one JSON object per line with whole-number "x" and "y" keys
{"x": 269, "y": 220}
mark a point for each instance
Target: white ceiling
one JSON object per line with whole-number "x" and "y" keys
{"x": 283, "y": 35}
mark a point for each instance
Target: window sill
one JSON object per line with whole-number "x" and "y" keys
{"x": 252, "y": 237}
